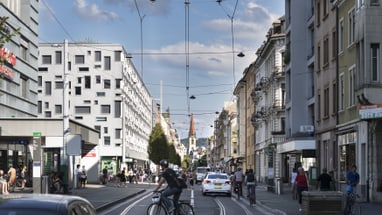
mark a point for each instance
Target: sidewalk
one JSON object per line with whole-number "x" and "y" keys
{"x": 284, "y": 204}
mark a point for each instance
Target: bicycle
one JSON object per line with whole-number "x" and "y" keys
{"x": 157, "y": 207}
{"x": 351, "y": 205}
{"x": 250, "y": 195}
{"x": 239, "y": 187}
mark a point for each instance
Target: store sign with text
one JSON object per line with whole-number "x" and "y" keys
{"x": 370, "y": 111}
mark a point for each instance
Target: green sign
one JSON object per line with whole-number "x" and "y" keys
{"x": 37, "y": 134}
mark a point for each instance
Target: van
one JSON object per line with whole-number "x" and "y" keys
{"x": 201, "y": 172}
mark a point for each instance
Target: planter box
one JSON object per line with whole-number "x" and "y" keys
{"x": 328, "y": 202}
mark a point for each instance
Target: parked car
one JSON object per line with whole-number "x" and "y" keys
{"x": 45, "y": 204}
{"x": 218, "y": 183}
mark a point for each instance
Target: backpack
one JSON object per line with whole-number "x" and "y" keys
{"x": 181, "y": 183}
{"x": 250, "y": 177}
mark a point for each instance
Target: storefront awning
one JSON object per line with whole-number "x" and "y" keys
{"x": 296, "y": 145}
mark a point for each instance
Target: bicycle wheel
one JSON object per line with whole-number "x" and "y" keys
{"x": 185, "y": 209}
{"x": 156, "y": 209}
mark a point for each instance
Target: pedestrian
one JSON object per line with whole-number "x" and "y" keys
{"x": 23, "y": 177}
{"x": 3, "y": 183}
{"x": 12, "y": 178}
{"x": 238, "y": 179}
{"x": 323, "y": 181}
{"x": 83, "y": 177}
{"x": 105, "y": 176}
{"x": 293, "y": 183}
{"x": 301, "y": 184}
{"x": 250, "y": 181}
{"x": 77, "y": 174}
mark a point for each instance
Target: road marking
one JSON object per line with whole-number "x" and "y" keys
{"x": 221, "y": 206}
{"x": 124, "y": 212}
{"x": 192, "y": 198}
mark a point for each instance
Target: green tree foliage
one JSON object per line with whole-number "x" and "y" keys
{"x": 172, "y": 154}
{"x": 158, "y": 146}
{"x": 186, "y": 162}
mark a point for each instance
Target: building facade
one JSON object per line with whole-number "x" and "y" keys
{"x": 100, "y": 88}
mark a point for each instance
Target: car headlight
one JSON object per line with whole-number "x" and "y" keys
{"x": 155, "y": 199}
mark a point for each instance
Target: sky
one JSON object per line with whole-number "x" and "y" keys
{"x": 181, "y": 52}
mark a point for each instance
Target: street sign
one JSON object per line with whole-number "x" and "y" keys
{"x": 37, "y": 134}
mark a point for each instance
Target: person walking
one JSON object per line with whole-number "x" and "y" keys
{"x": 250, "y": 181}
{"x": 352, "y": 179}
{"x": 23, "y": 177}
{"x": 293, "y": 183}
{"x": 301, "y": 184}
{"x": 12, "y": 178}
{"x": 324, "y": 180}
{"x": 77, "y": 173}
{"x": 83, "y": 177}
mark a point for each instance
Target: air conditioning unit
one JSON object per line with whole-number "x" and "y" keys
{"x": 306, "y": 128}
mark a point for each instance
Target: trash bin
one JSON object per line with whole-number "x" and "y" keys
{"x": 327, "y": 202}
{"x": 44, "y": 184}
{"x": 278, "y": 186}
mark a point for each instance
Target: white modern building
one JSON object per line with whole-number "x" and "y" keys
{"x": 97, "y": 85}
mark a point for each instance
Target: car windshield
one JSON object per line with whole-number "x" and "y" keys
{"x": 217, "y": 176}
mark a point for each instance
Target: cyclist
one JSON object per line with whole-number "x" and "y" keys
{"x": 238, "y": 178}
{"x": 251, "y": 184}
{"x": 353, "y": 177}
{"x": 168, "y": 175}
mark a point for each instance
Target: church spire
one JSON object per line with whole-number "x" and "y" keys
{"x": 192, "y": 132}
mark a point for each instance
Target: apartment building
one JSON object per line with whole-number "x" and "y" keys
{"x": 269, "y": 98}
{"x": 97, "y": 85}
{"x": 299, "y": 146}
{"x": 325, "y": 68}
{"x": 18, "y": 76}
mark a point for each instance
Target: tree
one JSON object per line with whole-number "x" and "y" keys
{"x": 172, "y": 154}
{"x": 158, "y": 146}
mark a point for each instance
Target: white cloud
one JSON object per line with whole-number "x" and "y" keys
{"x": 92, "y": 11}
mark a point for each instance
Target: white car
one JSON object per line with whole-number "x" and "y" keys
{"x": 216, "y": 182}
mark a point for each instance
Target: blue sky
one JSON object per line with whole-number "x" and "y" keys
{"x": 210, "y": 75}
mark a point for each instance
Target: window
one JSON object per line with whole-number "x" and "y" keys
{"x": 59, "y": 85}
{"x": 334, "y": 102}
{"x": 326, "y": 102}
{"x": 97, "y": 127}
{"x": 24, "y": 46}
{"x": 106, "y": 84}
{"x": 325, "y": 8}
{"x": 118, "y": 133}
{"x": 98, "y": 79}
{"x": 39, "y": 81}
{"x": 107, "y": 63}
{"x": 347, "y": 153}
{"x": 83, "y": 69}
{"x": 87, "y": 82}
{"x": 118, "y": 83}
{"x": 78, "y": 91}
{"x": 24, "y": 86}
{"x": 101, "y": 119}
{"x": 117, "y": 109}
{"x": 58, "y": 57}
{"x": 79, "y": 59}
{"x": 105, "y": 130}
{"x": 48, "y": 114}
{"x": 351, "y": 27}
{"x": 374, "y": 61}
{"x": 106, "y": 140}
{"x": 101, "y": 94}
{"x": 341, "y": 92}
{"x": 43, "y": 69}
{"x": 352, "y": 85}
{"x": 341, "y": 36}
{"x": 46, "y": 105}
{"x": 374, "y": 2}
{"x": 318, "y": 57}
{"x": 58, "y": 109}
{"x": 79, "y": 80}
{"x": 46, "y": 59}
{"x": 82, "y": 109}
{"x": 48, "y": 88}
{"x": 117, "y": 55}
{"x": 318, "y": 14}
{"x": 318, "y": 106}
{"x": 326, "y": 51}
{"x": 334, "y": 45}
{"x": 97, "y": 56}
{"x": 105, "y": 108}
{"x": 39, "y": 107}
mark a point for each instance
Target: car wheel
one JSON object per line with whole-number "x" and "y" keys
{"x": 204, "y": 193}
{"x": 229, "y": 194}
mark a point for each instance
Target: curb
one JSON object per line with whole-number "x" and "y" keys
{"x": 108, "y": 205}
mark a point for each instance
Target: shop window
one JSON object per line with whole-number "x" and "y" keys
{"x": 347, "y": 159}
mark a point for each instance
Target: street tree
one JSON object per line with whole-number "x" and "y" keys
{"x": 158, "y": 146}
{"x": 172, "y": 154}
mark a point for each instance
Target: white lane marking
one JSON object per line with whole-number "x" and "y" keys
{"x": 124, "y": 212}
{"x": 221, "y": 206}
